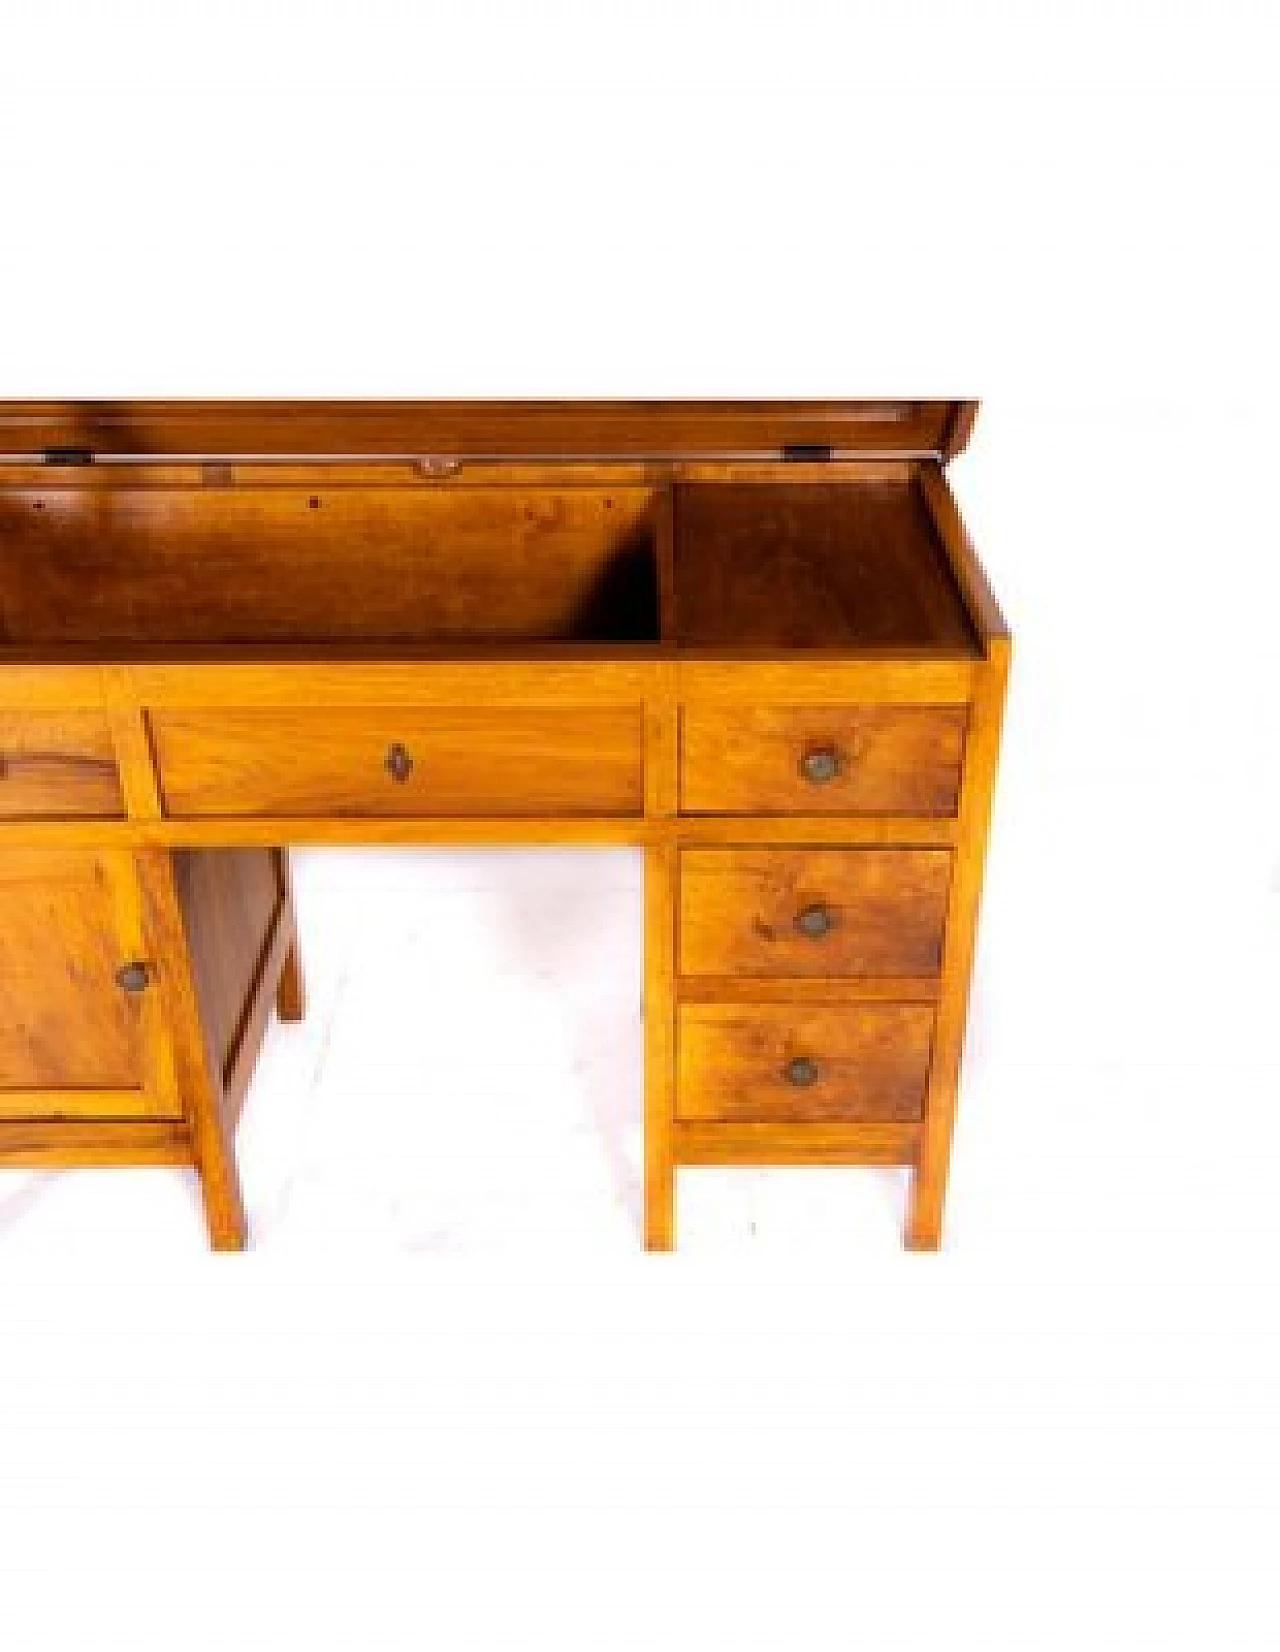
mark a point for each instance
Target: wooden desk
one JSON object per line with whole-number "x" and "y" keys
{"x": 751, "y": 638}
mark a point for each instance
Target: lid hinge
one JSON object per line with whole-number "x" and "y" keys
{"x": 808, "y": 452}
{"x": 68, "y": 456}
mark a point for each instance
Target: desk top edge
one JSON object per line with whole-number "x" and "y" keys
{"x": 517, "y": 429}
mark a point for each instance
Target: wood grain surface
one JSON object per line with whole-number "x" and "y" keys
{"x": 58, "y": 764}
{"x": 860, "y": 1062}
{"x": 401, "y": 761}
{"x": 887, "y": 759}
{"x": 739, "y": 911}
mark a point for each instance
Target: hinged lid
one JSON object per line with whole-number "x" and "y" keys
{"x": 90, "y": 430}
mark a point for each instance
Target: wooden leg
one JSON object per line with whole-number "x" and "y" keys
{"x": 929, "y": 1179}
{"x": 201, "y": 1094}
{"x": 291, "y": 992}
{"x": 659, "y": 1048}
{"x": 924, "y": 1208}
{"x": 223, "y": 1202}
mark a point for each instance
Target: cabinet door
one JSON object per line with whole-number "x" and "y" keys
{"x": 80, "y": 1026}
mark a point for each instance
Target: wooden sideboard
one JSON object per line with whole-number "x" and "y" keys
{"x": 751, "y": 638}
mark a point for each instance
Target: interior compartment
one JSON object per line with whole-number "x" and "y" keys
{"x": 848, "y": 564}
{"x": 113, "y": 560}
{"x": 124, "y": 556}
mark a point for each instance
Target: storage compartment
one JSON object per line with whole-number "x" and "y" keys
{"x": 821, "y": 759}
{"x": 112, "y": 558}
{"x": 844, "y": 565}
{"x": 835, "y": 912}
{"x": 807, "y": 1063}
{"x": 401, "y": 760}
{"x": 75, "y": 993}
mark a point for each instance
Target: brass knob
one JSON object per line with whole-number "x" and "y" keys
{"x": 801, "y": 1071}
{"x": 398, "y": 763}
{"x": 133, "y": 977}
{"x": 820, "y": 764}
{"x": 815, "y": 921}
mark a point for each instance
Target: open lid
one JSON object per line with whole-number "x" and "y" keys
{"x": 85, "y": 431}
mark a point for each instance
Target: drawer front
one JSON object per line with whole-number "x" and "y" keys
{"x": 742, "y": 1062}
{"x": 57, "y": 764}
{"x": 400, "y": 761}
{"x": 837, "y": 912}
{"x": 822, "y": 760}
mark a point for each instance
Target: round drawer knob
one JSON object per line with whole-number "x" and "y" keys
{"x": 801, "y": 1072}
{"x": 399, "y": 764}
{"x": 820, "y": 764}
{"x": 816, "y": 921}
{"x": 133, "y": 977}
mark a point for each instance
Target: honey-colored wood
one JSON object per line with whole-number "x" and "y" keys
{"x": 659, "y": 1047}
{"x": 783, "y": 566}
{"x": 984, "y": 610}
{"x": 888, "y": 759}
{"x": 511, "y": 429}
{"x": 741, "y": 910}
{"x": 139, "y": 942}
{"x": 756, "y": 1143}
{"x": 809, "y": 679}
{"x": 67, "y": 1144}
{"x": 809, "y": 989}
{"x": 661, "y": 801}
{"x": 57, "y": 764}
{"x": 200, "y": 1086}
{"x": 222, "y": 831}
{"x": 291, "y": 990}
{"x": 242, "y": 680}
{"x": 64, "y": 1022}
{"x": 929, "y": 1184}
{"x": 861, "y": 1063}
{"x": 887, "y": 831}
{"x": 229, "y": 831}
{"x": 400, "y": 761}
{"x": 183, "y": 565}
{"x": 81, "y": 1103}
{"x": 134, "y": 755}
{"x": 238, "y": 931}
{"x": 271, "y": 624}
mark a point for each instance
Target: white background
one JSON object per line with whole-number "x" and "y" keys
{"x": 446, "y": 1402}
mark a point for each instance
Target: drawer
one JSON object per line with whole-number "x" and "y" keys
{"x": 875, "y": 912}
{"x": 400, "y": 761}
{"x": 821, "y": 759}
{"x": 57, "y": 763}
{"x": 741, "y": 1062}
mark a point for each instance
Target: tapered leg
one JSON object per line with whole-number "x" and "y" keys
{"x": 291, "y": 992}
{"x": 925, "y": 1207}
{"x": 929, "y": 1179}
{"x": 291, "y": 995}
{"x": 220, "y": 1191}
{"x": 659, "y": 1047}
{"x": 200, "y": 1092}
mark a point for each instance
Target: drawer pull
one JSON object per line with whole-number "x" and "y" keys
{"x": 133, "y": 977}
{"x": 801, "y": 1072}
{"x": 820, "y": 764}
{"x": 815, "y": 922}
{"x": 399, "y": 763}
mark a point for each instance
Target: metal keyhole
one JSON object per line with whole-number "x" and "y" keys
{"x": 399, "y": 763}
